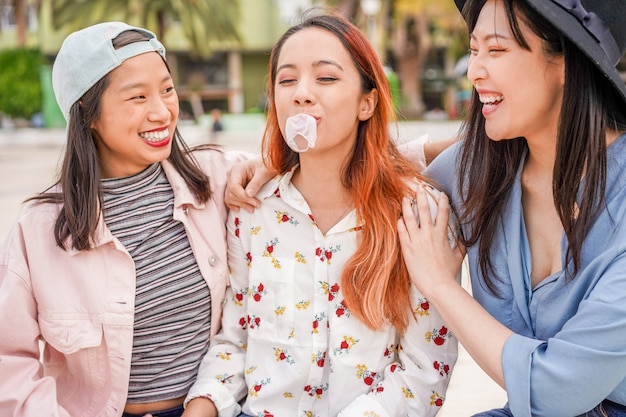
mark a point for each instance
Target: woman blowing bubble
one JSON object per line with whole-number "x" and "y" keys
{"x": 321, "y": 318}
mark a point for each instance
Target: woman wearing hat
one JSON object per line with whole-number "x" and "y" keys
{"x": 119, "y": 270}
{"x": 540, "y": 189}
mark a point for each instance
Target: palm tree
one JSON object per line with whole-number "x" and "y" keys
{"x": 204, "y": 22}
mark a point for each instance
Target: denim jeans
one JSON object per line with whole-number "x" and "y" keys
{"x": 172, "y": 412}
{"x": 605, "y": 409}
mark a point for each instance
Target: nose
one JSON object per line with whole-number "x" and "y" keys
{"x": 476, "y": 68}
{"x": 303, "y": 94}
{"x": 159, "y": 110}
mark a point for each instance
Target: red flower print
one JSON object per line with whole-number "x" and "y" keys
{"x": 425, "y": 305}
{"x": 340, "y": 311}
{"x": 328, "y": 254}
{"x": 258, "y": 387}
{"x": 443, "y": 331}
{"x": 344, "y": 345}
{"x": 438, "y": 402}
{"x": 285, "y": 218}
{"x": 319, "y": 391}
{"x": 260, "y": 287}
{"x": 318, "y": 251}
{"x": 239, "y": 296}
{"x": 237, "y": 232}
{"x": 315, "y": 324}
{"x": 368, "y": 380}
{"x": 282, "y": 356}
{"x": 320, "y": 363}
{"x": 270, "y": 248}
{"x": 393, "y": 368}
{"x": 257, "y": 297}
{"x": 439, "y": 340}
{"x": 242, "y": 322}
{"x": 436, "y": 365}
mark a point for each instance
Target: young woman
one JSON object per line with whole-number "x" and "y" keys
{"x": 540, "y": 191}
{"x": 320, "y": 318}
{"x": 119, "y": 270}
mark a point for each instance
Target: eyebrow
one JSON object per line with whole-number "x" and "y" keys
{"x": 494, "y": 35}
{"x": 315, "y": 64}
{"x": 137, "y": 85}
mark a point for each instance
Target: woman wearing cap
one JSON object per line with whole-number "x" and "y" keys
{"x": 119, "y": 270}
{"x": 541, "y": 194}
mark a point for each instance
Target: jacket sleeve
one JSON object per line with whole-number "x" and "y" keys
{"x": 24, "y": 390}
{"x": 221, "y": 374}
{"x": 416, "y": 383}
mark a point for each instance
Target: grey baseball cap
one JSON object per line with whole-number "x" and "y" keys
{"x": 87, "y": 55}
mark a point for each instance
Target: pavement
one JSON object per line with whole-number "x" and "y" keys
{"x": 30, "y": 159}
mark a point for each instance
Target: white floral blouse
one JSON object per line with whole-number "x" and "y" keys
{"x": 289, "y": 346}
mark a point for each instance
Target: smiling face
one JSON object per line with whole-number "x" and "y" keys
{"x": 139, "y": 109}
{"x": 521, "y": 90}
{"x": 322, "y": 82}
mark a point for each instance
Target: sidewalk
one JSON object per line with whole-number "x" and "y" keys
{"x": 29, "y": 159}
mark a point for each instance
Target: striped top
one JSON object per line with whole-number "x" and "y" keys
{"x": 172, "y": 301}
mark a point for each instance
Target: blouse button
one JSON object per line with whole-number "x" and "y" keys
{"x": 186, "y": 209}
{"x": 213, "y": 260}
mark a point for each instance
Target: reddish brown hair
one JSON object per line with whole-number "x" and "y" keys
{"x": 375, "y": 282}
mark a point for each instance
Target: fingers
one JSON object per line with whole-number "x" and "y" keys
{"x": 236, "y": 196}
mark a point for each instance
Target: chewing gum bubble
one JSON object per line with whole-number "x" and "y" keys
{"x": 301, "y": 132}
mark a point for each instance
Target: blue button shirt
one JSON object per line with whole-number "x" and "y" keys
{"x": 569, "y": 350}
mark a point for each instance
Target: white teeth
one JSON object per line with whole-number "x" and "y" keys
{"x": 490, "y": 99}
{"x": 155, "y": 136}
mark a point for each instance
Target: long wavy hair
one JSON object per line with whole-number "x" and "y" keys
{"x": 488, "y": 168}
{"x": 79, "y": 177}
{"x": 375, "y": 282}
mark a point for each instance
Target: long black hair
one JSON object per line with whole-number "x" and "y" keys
{"x": 488, "y": 168}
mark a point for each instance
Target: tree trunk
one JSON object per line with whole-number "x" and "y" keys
{"x": 20, "y": 22}
{"x": 411, "y": 42}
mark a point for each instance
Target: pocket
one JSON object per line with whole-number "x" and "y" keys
{"x": 68, "y": 333}
{"x": 271, "y": 299}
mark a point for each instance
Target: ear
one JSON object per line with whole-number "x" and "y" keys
{"x": 369, "y": 102}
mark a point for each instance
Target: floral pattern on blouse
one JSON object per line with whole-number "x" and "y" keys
{"x": 288, "y": 342}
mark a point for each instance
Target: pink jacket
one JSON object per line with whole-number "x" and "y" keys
{"x": 79, "y": 305}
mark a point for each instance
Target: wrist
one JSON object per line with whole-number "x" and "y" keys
{"x": 202, "y": 406}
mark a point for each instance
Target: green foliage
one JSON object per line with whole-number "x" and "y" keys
{"x": 204, "y": 22}
{"x": 20, "y": 86}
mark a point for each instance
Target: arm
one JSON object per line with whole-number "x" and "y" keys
{"x": 419, "y": 377}
{"x": 433, "y": 267}
{"x": 221, "y": 374}
{"x": 23, "y": 387}
{"x": 252, "y": 175}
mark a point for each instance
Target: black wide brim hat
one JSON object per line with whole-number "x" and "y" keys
{"x": 597, "y": 27}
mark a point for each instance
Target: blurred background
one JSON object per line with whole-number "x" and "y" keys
{"x": 218, "y": 51}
